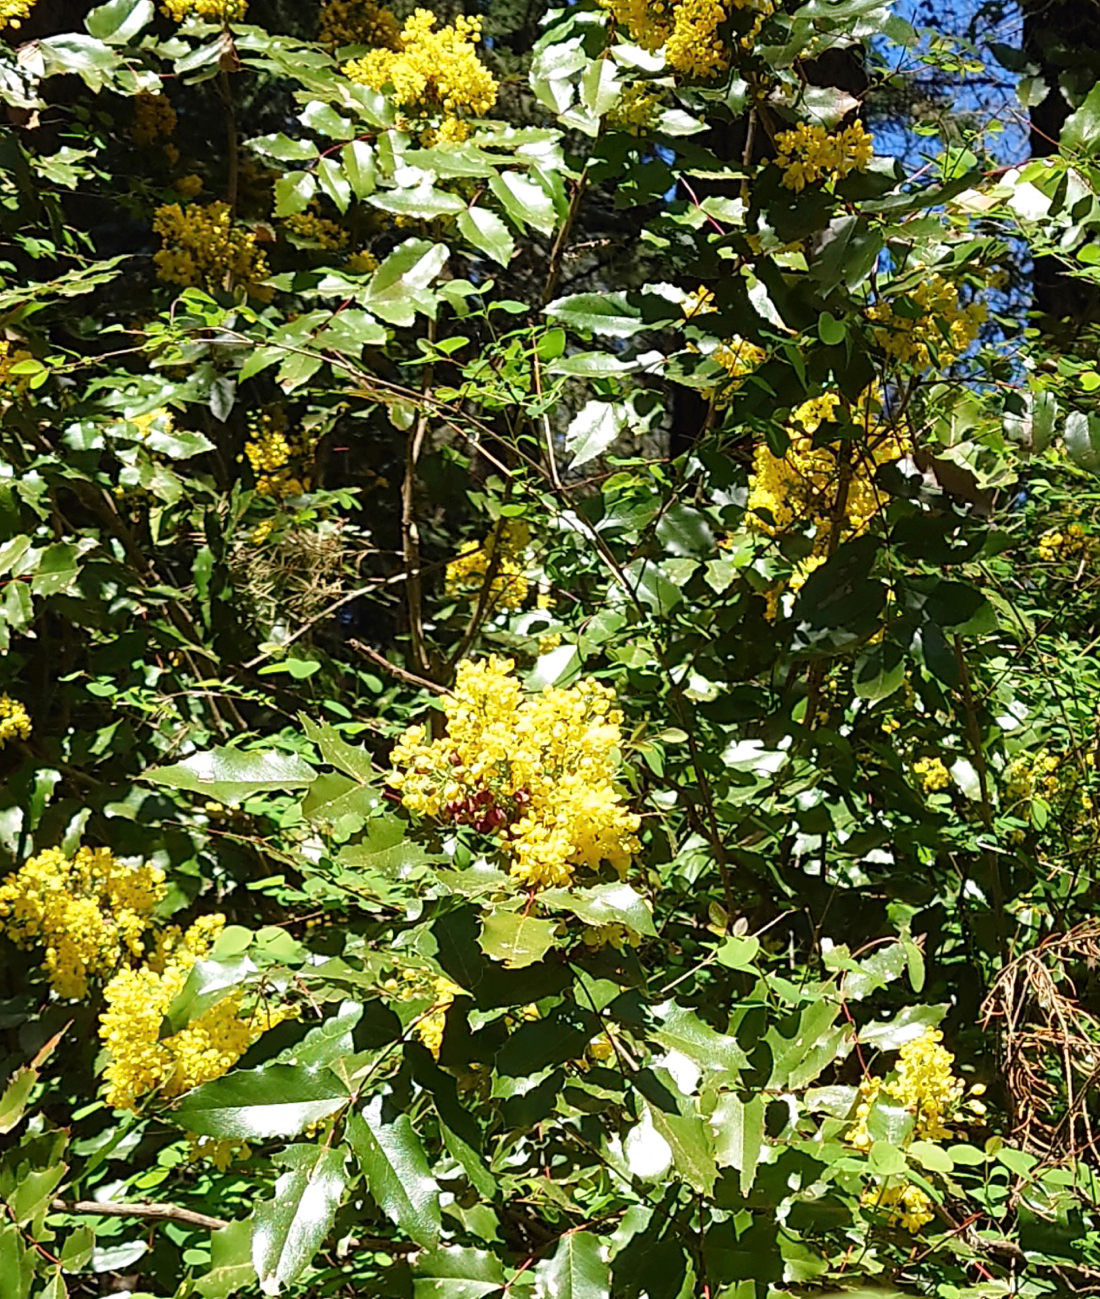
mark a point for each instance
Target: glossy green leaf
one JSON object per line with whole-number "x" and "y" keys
{"x": 457, "y": 1272}
{"x": 231, "y": 775}
{"x": 516, "y": 939}
{"x": 253, "y": 1104}
{"x": 291, "y": 1227}
{"x": 739, "y": 1135}
{"x": 488, "y": 233}
{"x": 396, "y": 1170}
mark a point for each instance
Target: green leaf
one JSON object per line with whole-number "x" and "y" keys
{"x": 352, "y": 759}
{"x": 525, "y": 200}
{"x": 284, "y": 148}
{"x": 230, "y": 1261}
{"x": 739, "y": 1135}
{"x": 231, "y": 775}
{"x": 118, "y": 21}
{"x": 359, "y": 167}
{"x": 15, "y": 1097}
{"x": 516, "y": 939}
{"x": 425, "y": 202}
{"x": 847, "y": 253}
{"x": 598, "y": 313}
{"x": 16, "y": 1263}
{"x": 682, "y": 1030}
{"x": 739, "y": 952}
{"x": 396, "y": 288}
{"x": 276, "y": 1100}
{"x": 208, "y": 982}
{"x": 594, "y": 428}
{"x": 456, "y": 1272}
{"x": 603, "y": 904}
{"x": 576, "y": 1270}
{"x": 487, "y": 232}
{"x": 334, "y": 183}
{"x": 290, "y": 1228}
{"x": 293, "y": 192}
{"x": 879, "y": 672}
{"x": 396, "y": 1170}
{"x": 1081, "y": 130}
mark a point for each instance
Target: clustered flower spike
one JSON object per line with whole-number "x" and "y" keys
{"x": 15, "y": 721}
{"x": 688, "y": 30}
{"x": 211, "y": 11}
{"x": 86, "y": 912}
{"x": 923, "y": 1083}
{"x": 936, "y": 327}
{"x": 418, "y": 984}
{"x": 537, "y": 772}
{"x": 809, "y": 153}
{"x": 932, "y": 774}
{"x": 736, "y": 355}
{"x": 203, "y": 249}
{"x": 358, "y": 22}
{"x": 154, "y": 119}
{"x": 799, "y": 491}
{"x": 433, "y": 73}
{"x": 136, "y": 1001}
{"x": 505, "y": 544}
{"x": 279, "y": 456}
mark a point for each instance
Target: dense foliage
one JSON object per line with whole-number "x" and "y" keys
{"x": 549, "y": 684}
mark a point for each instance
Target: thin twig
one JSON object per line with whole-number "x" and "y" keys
{"x": 402, "y": 674}
{"x": 410, "y": 536}
{"x": 158, "y": 1212}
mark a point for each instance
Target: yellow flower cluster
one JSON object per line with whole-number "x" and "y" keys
{"x": 136, "y": 1001}
{"x": 15, "y": 721}
{"x": 800, "y": 489}
{"x": 317, "y": 229}
{"x": 736, "y": 355}
{"x": 1027, "y": 776}
{"x": 614, "y": 935}
{"x": 809, "y": 153}
{"x": 506, "y": 544}
{"x": 203, "y": 249}
{"x": 9, "y": 358}
{"x": 358, "y": 22}
{"x": 160, "y": 420}
{"x": 211, "y": 11}
{"x": 419, "y": 984}
{"x": 433, "y": 72}
{"x": 85, "y": 911}
{"x": 1072, "y": 546}
{"x": 154, "y": 119}
{"x": 942, "y": 330}
{"x": 636, "y": 111}
{"x": 362, "y": 262}
{"x": 278, "y": 456}
{"x": 924, "y": 1084}
{"x": 12, "y": 12}
{"x": 688, "y": 30}
{"x": 932, "y": 774}
{"x": 536, "y": 771}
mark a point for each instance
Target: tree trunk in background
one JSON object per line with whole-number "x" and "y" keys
{"x": 1063, "y": 38}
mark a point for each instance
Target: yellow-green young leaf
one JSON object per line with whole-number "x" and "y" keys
{"x": 290, "y": 1228}
{"x": 396, "y": 1170}
{"x": 576, "y": 1270}
{"x": 516, "y": 939}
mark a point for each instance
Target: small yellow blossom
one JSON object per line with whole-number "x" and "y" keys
{"x": 505, "y": 544}
{"x": 202, "y": 248}
{"x": 154, "y": 119}
{"x": 537, "y": 772}
{"x": 808, "y": 153}
{"x": 358, "y": 22}
{"x": 15, "y": 721}
{"x": 941, "y": 330}
{"x": 362, "y": 262}
{"x": 12, "y": 12}
{"x": 190, "y": 186}
{"x": 84, "y": 911}
{"x": 736, "y": 355}
{"x": 932, "y": 774}
{"x": 136, "y": 1001}
{"x": 279, "y": 457}
{"x": 906, "y": 1205}
{"x": 318, "y": 230}
{"x": 636, "y": 111}
{"x": 211, "y": 11}
{"x": 434, "y": 73}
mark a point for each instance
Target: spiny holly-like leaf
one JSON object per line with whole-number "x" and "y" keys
{"x": 455, "y": 1272}
{"x": 290, "y": 1228}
